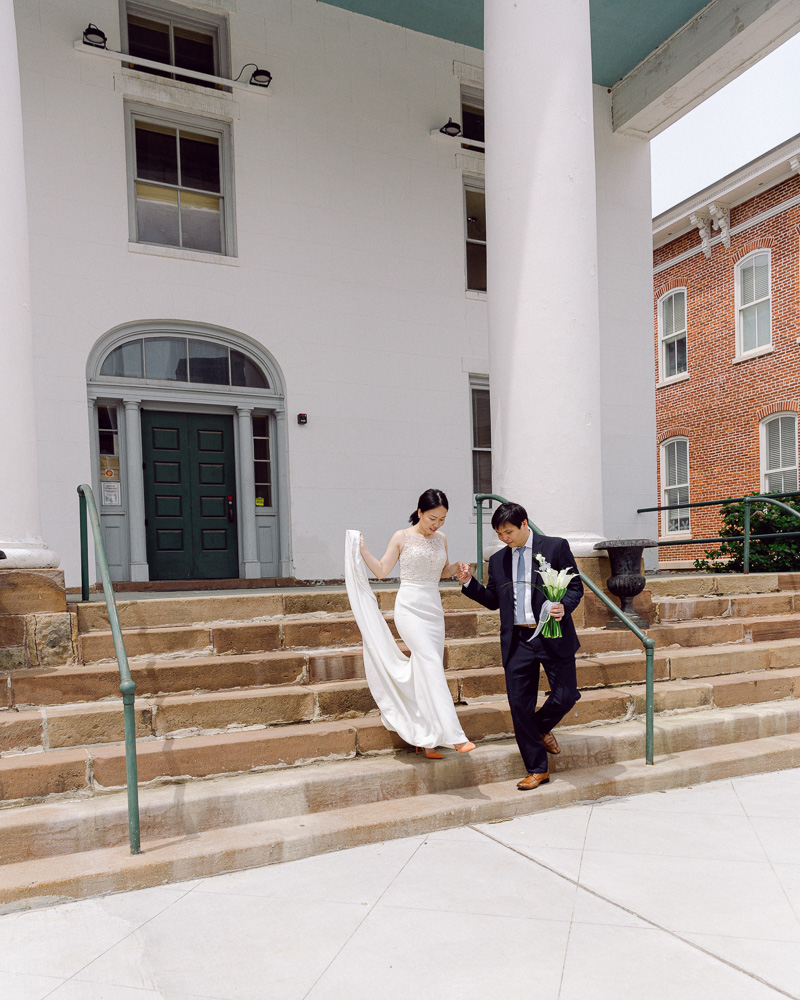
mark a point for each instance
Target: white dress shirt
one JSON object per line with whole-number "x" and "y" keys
{"x": 527, "y": 616}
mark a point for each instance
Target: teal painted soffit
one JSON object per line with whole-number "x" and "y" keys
{"x": 624, "y": 32}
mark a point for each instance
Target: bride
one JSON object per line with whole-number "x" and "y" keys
{"x": 411, "y": 692}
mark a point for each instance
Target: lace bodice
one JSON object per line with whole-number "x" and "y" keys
{"x": 422, "y": 559}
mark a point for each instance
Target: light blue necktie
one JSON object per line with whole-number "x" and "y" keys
{"x": 522, "y": 582}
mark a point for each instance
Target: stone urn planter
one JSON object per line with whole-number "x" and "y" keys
{"x": 626, "y": 580}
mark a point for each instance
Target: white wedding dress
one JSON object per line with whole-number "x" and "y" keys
{"x": 410, "y": 691}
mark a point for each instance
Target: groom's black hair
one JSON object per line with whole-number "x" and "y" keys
{"x": 509, "y": 513}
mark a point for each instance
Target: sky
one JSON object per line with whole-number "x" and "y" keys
{"x": 752, "y": 114}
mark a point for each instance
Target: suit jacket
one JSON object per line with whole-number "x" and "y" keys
{"x": 499, "y": 593}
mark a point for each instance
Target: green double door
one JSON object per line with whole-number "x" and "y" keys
{"x": 190, "y": 497}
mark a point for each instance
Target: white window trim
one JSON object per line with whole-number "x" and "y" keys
{"x": 470, "y": 184}
{"x": 142, "y": 112}
{"x": 665, "y": 379}
{"x": 477, "y": 381}
{"x": 664, "y": 531}
{"x": 217, "y": 24}
{"x": 737, "y": 283}
{"x": 762, "y": 446}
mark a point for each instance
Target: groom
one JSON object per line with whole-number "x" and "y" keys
{"x": 515, "y": 588}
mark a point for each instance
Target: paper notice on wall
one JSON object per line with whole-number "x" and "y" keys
{"x": 109, "y": 467}
{"x": 111, "y": 494}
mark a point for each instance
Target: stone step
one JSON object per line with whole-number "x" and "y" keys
{"x": 96, "y": 723}
{"x": 469, "y": 635}
{"x": 683, "y": 609}
{"x": 95, "y": 682}
{"x": 299, "y": 632}
{"x": 194, "y": 609}
{"x": 720, "y": 584}
{"x": 78, "y": 849}
{"x": 194, "y": 736}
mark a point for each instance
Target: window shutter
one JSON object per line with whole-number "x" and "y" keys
{"x": 788, "y": 442}
{"x": 669, "y": 316}
{"x": 774, "y": 444}
{"x": 679, "y": 311}
{"x": 670, "y": 453}
{"x": 682, "y": 461}
{"x": 748, "y": 283}
{"x": 761, "y": 275}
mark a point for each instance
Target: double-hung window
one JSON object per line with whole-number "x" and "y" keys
{"x": 672, "y": 325}
{"x": 472, "y": 120}
{"x": 779, "y": 453}
{"x": 475, "y": 209}
{"x": 753, "y": 303}
{"x": 180, "y": 181}
{"x": 176, "y": 36}
{"x": 481, "y": 434}
{"x": 675, "y": 484}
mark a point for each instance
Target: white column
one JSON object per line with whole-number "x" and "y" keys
{"x": 247, "y": 494}
{"x": 625, "y": 242}
{"x": 20, "y": 531}
{"x": 544, "y": 337}
{"x": 135, "y": 488}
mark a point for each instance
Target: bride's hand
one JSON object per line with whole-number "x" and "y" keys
{"x": 463, "y": 572}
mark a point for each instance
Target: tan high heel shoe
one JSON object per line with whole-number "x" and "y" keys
{"x": 430, "y": 754}
{"x": 465, "y": 747}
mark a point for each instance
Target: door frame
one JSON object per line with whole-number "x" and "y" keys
{"x": 131, "y": 396}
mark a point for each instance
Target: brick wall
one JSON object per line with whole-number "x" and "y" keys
{"x": 719, "y": 407}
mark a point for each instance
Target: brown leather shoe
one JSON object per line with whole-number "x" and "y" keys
{"x": 533, "y": 781}
{"x": 550, "y": 742}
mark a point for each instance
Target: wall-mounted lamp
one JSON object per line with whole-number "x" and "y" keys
{"x": 451, "y": 128}
{"x": 259, "y": 77}
{"x": 93, "y": 36}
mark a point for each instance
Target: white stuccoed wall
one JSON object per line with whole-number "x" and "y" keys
{"x": 350, "y": 269}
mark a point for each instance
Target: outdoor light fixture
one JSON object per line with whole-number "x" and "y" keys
{"x": 259, "y": 77}
{"x": 93, "y": 36}
{"x": 451, "y": 128}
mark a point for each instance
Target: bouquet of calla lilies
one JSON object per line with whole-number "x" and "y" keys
{"x": 554, "y": 585}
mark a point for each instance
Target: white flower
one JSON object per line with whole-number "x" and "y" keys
{"x": 543, "y": 563}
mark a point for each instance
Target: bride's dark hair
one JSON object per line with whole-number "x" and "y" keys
{"x": 429, "y": 500}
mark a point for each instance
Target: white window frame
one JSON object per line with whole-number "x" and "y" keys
{"x": 470, "y": 184}
{"x": 666, "y": 530}
{"x": 477, "y": 382}
{"x": 175, "y": 14}
{"x": 474, "y": 96}
{"x": 764, "y": 348}
{"x": 764, "y": 451}
{"x": 175, "y": 119}
{"x": 664, "y": 338}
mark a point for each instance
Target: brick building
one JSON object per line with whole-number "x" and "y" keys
{"x": 726, "y": 313}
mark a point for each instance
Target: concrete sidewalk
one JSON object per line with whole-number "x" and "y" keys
{"x": 691, "y": 893}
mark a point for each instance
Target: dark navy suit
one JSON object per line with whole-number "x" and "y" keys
{"x": 522, "y": 655}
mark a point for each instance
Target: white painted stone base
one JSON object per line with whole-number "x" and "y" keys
{"x": 27, "y": 553}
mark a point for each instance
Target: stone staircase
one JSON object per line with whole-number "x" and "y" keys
{"x": 259, "y": 741}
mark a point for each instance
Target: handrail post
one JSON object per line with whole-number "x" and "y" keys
{"x": 479, "y": 559}
{"x": 649, "y": 703}
{"x": 84, "y": 546}
{"x": 128, "y": 691}
{"x": 746, "y": 534}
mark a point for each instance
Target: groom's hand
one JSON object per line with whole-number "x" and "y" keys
{"x": 463, "y": 573}
{"x": 557, "y": 611}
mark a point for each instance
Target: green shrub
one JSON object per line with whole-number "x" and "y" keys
{"x": 768, "y": 556}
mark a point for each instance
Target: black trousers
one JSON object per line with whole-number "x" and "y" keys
{"x": 522, "y": 685}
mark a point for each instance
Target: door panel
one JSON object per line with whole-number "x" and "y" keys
{"x": 189, "y": 482}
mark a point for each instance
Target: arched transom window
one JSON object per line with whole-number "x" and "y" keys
{"x": 184, "y": 359}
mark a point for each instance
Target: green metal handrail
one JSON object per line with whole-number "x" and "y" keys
{"x": 647, "y": 642}
{"x": 748, "y": 501}
{"x": 127, "y": 685}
